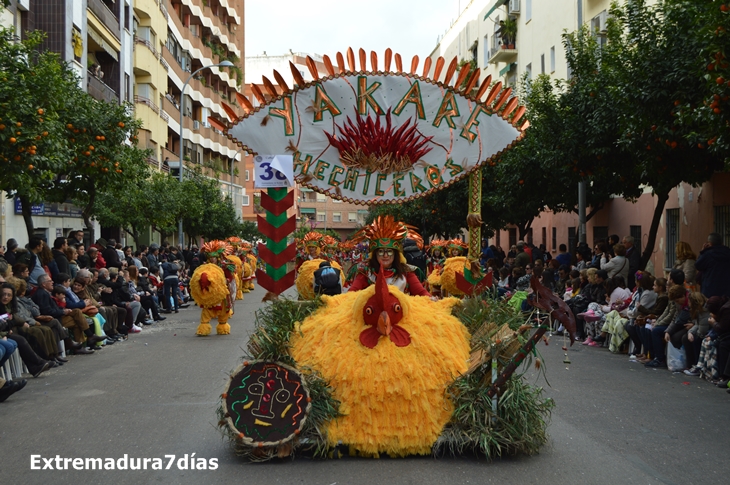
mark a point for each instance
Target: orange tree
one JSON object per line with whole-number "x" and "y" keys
{"x": 628, "y": 95}
{"x": 102, "y": 139}
{"x": 33, "y": 87}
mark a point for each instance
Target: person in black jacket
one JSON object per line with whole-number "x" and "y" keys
{"x": 714, "y": 265}
{"x": 111, "y": 256}
{"x": 59, "y": 246}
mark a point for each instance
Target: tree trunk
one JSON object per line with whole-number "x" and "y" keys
{"x": 594, "y": 211}
{"x": 658, "y": 211}
{"x": 523, "y": 228}
{"x": 87, "y": 214}
{"x": 135, "y": 235}
{"x": 27, "y": 217}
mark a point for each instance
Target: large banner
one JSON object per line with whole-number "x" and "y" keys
{"x": 375, "y": 138}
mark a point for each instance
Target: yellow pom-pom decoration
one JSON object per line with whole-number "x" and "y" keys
{"x": 208, "y": 286}
{"x": 448, "y": 276}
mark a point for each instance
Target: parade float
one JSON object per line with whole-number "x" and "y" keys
{"x": 379, "y": 372}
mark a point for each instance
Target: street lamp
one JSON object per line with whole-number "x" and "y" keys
{"x": 182, "y": 113}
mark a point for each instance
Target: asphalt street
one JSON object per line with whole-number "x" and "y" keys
{"x": 156, "y": 395}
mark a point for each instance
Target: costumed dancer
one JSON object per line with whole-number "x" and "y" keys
{"x": 385, "y": 237}
{"x": 249, "y": 257}
{"x": 454, "y": 263}
{"x": 210, "y": 289}
{"x": 236, "y": 256}
{"x": 435, "y": 265}
{"x": 309, "y": 248}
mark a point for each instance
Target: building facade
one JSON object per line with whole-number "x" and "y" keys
{"x": 95, "y": 38}
{"x": 477, "y": 36}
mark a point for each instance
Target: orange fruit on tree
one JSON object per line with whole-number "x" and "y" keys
{"x": 2, "y": 127}
{"x": 19, "y": 124}
{"x": 12, "y": 139}
{"x": 40, "y": 111}
{"x": 91, "y": 147}
{"x": 69, "y": 126}
{"x": 45, "y": 133}
{"x": 120, "y": 124}
{"x": 16, "y": 158}
{"x": 87, "y": 153}
{"x": 18, "y": 133}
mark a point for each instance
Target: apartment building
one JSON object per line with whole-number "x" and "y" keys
{"x": 95, "y": 38}
{"x": 536, "y": 48}
{"x": 311, "y": 208}
{"x": 172, "y": 40}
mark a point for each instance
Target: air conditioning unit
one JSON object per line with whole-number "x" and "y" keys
{"x": 600, "y": 21}
{"x": 196, "y": 125}
{"x": 514, "y": 7}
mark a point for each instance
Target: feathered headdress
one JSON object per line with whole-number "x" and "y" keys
{"x": 386, "y": 232}
{"x": 456, "y": 244}
{"x": 216, "y": 249}
{"x": 330, "y": 242}
{"x": 312, "y": 239}
{"x": 234, "y": 241}
{"x": 436, "y": 244}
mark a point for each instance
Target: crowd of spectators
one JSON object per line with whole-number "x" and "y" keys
{"x": 67, "y": 298}
{"x": 683, "y": 312}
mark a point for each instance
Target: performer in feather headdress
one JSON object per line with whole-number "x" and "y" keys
{"x": 385, "y": 237}
{"x": 454, "y": 263}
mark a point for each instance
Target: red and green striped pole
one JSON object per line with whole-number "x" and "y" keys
{"x": 276, "y": 227}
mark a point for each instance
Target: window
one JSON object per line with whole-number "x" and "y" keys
{"x": 245, "y": 200}
{"x": 528, "y": 70}
{"x": 321, "y": 216}
{"x": 600, "y": 233}
{"x": 475, "y": 52}
{"x": 552, "y": 59}
{"x": 127, "y": 84}
{"x": 248, "y": 174}
{"x": 337, "y": 217}
{"x": 635, "y": 232}
{"x": 352, "y": 217}
{"x": 542, "y": 63}
{"x": 512, "y": 236}
{"x": 544, "y": 236}
{"x": 321, "y": 197}
{"x": 529, "y": 235}
{"x": 572, "y": 239}
{"x": 486, "y": 50}
{"x": 722, "y": 223}
{"x": 670, "y": 253}
{"x": 555, "y": 238}
{"x": 528, "y": 10}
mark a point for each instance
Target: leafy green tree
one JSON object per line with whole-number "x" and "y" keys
{"x": 206, "y": 212}
{"x": 100, "y": 136}
{"x": 33, "y": 87}
{"x": 625, "y": 99}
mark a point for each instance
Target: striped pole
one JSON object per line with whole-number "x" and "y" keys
{"x": 276, "y": 253}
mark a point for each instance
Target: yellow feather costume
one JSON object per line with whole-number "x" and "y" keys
{"x": 239, "y": 275}
{"x": 434, "y": 279}
{"x": 448, "y": 276}
{"x": 393, "y": 398}
{"x": 252, "y": 261}
{"x": 305, "y": 278}
{"x": 209, "y": 289}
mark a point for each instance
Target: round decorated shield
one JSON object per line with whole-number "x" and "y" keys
{"x": 266, "y": 403}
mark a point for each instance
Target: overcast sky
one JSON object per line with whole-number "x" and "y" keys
{"x": 409, "y": 27}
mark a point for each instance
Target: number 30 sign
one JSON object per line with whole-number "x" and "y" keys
{"x": 266, "y": 176}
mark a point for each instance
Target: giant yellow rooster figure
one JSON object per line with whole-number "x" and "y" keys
{"x": 389, "y": 358}
{"x": 309, "y": 262}
{"x": 209, "y": 288}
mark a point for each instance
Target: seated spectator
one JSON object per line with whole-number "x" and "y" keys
{"x": 616, "y": 294}
{"x": 642, "y": 302}
{"x": 71, "y": 256}
{"x": 119, "y": 296}
{"x": 564, "y": 257}
{"x": 548, "y": 279}
{"x": 721, "y": 331}
{"x": 85, "y": 287}
{"x": 8, "y": 388}
{"x": 145, "y": 297}
{"x": 48, "y": 262}
{"x": 616, "y": 265}
{"x": 69, "y": 318}
{"x": 504, "y": 274}
{"x": 21, "y": 271}
{"x": 82, "y": 258}
{"x": 43, "y": 339}
{"x": 36, "y": 365}
{"x": 692, "y": 339}
{"x": 707, "y": 363}
{"x": 677, "y": 304}
{"x": 563, "y": 280}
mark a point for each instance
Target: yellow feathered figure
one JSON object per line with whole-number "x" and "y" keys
{"x": 239, "y": 275}
{"x": 252, "y": 261}
{"x": 305, "y": 277}
{"x": 454, "y": 264}
{"x": 209, "y": 288}
{"x": 389, "y": 358}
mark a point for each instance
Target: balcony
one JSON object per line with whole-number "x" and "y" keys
{"x": 106, "y": 17}
{"x": 502, "y": 54}
{"x": 98, "y": 90}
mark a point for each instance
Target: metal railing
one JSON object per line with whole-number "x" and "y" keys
{"x": 147, "y": 102}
